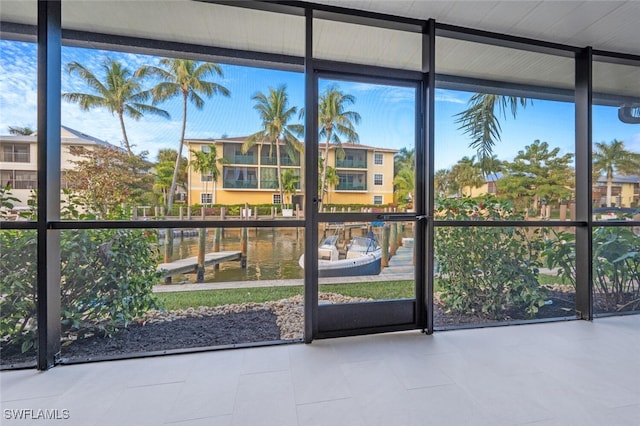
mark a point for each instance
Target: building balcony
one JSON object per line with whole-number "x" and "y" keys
{"x": 242, "y": 159}
{"x": 351, "y": 164}
{"x": 351, "y": 187}
{"x": 240, "y": 184}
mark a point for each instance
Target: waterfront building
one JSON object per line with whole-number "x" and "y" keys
{"x": 18, "y": 159}
{"x": 364, "y": 174}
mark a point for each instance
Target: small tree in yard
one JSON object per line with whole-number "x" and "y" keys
{"x": 487, "y": 270}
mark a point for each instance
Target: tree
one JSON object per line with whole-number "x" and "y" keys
{"x": 480, "y": 120}
{"x": 206, "y": 163}
{"x": 289, "y": 184}
{"x": 332, "y": 179}
{"x": 404, "y": 183}
{"x": 335, "y": 121}
{"x": 537, "y": 174}
{"x": 120, "y": 93}
{"x": 613, "y": 158}
{"x": 442, "y": 183}
{"x": 275, "y": 114}
{"x": 466, "y": 173}
{"x": 163, "y": 174}
{"x": 21, "y": 131}
{"x": 106, "y": 177}
{"x": 405, "y": 158}
{"x": 183, "y": 77}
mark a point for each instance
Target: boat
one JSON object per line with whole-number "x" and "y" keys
{"x": 363, "y": 256}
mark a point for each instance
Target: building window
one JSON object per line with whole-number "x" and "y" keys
{"x": 377, "y": 158}
{"x": 19, "y": 179}
{"x": 378, "y": 199}
{"x": 377, "y": 179}
{"x": 276, "y": 199}
{"x": 206, "y": 198}
{"x": 15, "y": 153}
{"x": 206, "y": 178}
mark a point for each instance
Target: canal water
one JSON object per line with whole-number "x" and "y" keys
{"x": 272, "y": 254}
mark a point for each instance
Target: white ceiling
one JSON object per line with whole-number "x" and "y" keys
{"x": 603, "y": 25}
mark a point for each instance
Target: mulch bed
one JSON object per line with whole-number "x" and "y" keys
{"x": 237, "y": 328}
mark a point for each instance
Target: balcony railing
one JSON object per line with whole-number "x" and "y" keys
{"x": 268, "y": 184}
{"x": 240, "y": 184}
{"x": 242, "y": 159}
{"x": 352, "y": 164}
{"x": 351, "y": 187}
{"x": 284, "y": 161}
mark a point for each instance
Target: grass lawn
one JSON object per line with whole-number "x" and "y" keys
{"x": 190, "y": 299}
{"x": 387, "y": 290}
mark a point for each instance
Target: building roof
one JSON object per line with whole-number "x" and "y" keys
{"x": 620, "y": 179}
{"x": 241, "y": 139}
{"x": 67, "y": 136}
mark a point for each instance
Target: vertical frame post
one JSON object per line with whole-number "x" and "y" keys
{"x": 49, "y": 85}
{"x": 424, "y": 178}
{"x": 311, "y": 184}
{"x": 584, "y": 251}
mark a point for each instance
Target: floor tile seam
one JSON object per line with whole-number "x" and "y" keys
{"x": 257, "y": 373}
{"x": 192, "y": 419}
{"x": 4, "y": 401}
{"x": 320, "y": 401}
{"x": 147, "y": 385}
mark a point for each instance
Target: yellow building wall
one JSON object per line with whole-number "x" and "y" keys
{"x": 626, "y": 195}
{"x": 265, "y": 196}
{"x": 476, "y": 191}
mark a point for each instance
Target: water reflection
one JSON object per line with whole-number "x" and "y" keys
{"x": 272, "y": 254}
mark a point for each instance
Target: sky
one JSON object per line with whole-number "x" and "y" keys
{"x": 387, "y": 113}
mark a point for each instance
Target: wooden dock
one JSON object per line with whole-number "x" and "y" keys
{"x": 190, "y": 264}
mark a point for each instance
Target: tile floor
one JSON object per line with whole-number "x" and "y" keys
{"x": 569, "y": 373}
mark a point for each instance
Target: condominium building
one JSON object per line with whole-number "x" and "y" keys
{"x": 363, "y": 174}
{"x": 18, "y": 159}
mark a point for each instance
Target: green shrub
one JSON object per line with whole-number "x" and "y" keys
{"x": 107, "y": 277}
{"x": 487, "y": 270}
{"x": 616, "y": 265}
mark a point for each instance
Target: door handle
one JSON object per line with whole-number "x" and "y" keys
{"x": 401, "y": 216}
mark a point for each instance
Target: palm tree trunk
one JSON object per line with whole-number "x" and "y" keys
{"x": 174, "y": 180}
{"x": 325, "y": 166}
{"x": 609, "y": 186}
{"x": 124, "y": 134}
{"x": 278, "y": 166}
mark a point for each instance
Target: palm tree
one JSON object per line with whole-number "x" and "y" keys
{"x": 613, "y": 158}
{"x": 21, "y": 131}
{"x": 275, "y": 114}
{"x": 206, "y": 163}
{"x": 480, "y": 119}
{"x": 183, "y": 77}
{"x": 289, "y": 184}
{"x": 404, "y": 183}
{"x": 405, "y": 158}
{"x": 466, "y": 173}
{"x": 334, "y": 121}
{"x": 120, "y": 93}
{"x": 163, "y": 173}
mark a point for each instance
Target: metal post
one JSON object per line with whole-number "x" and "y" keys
{"x": 49, "y": 154}
{"x": 311, "y": 183}
{"x": 583, "y": 208}
{"x": 425, "y": 193}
